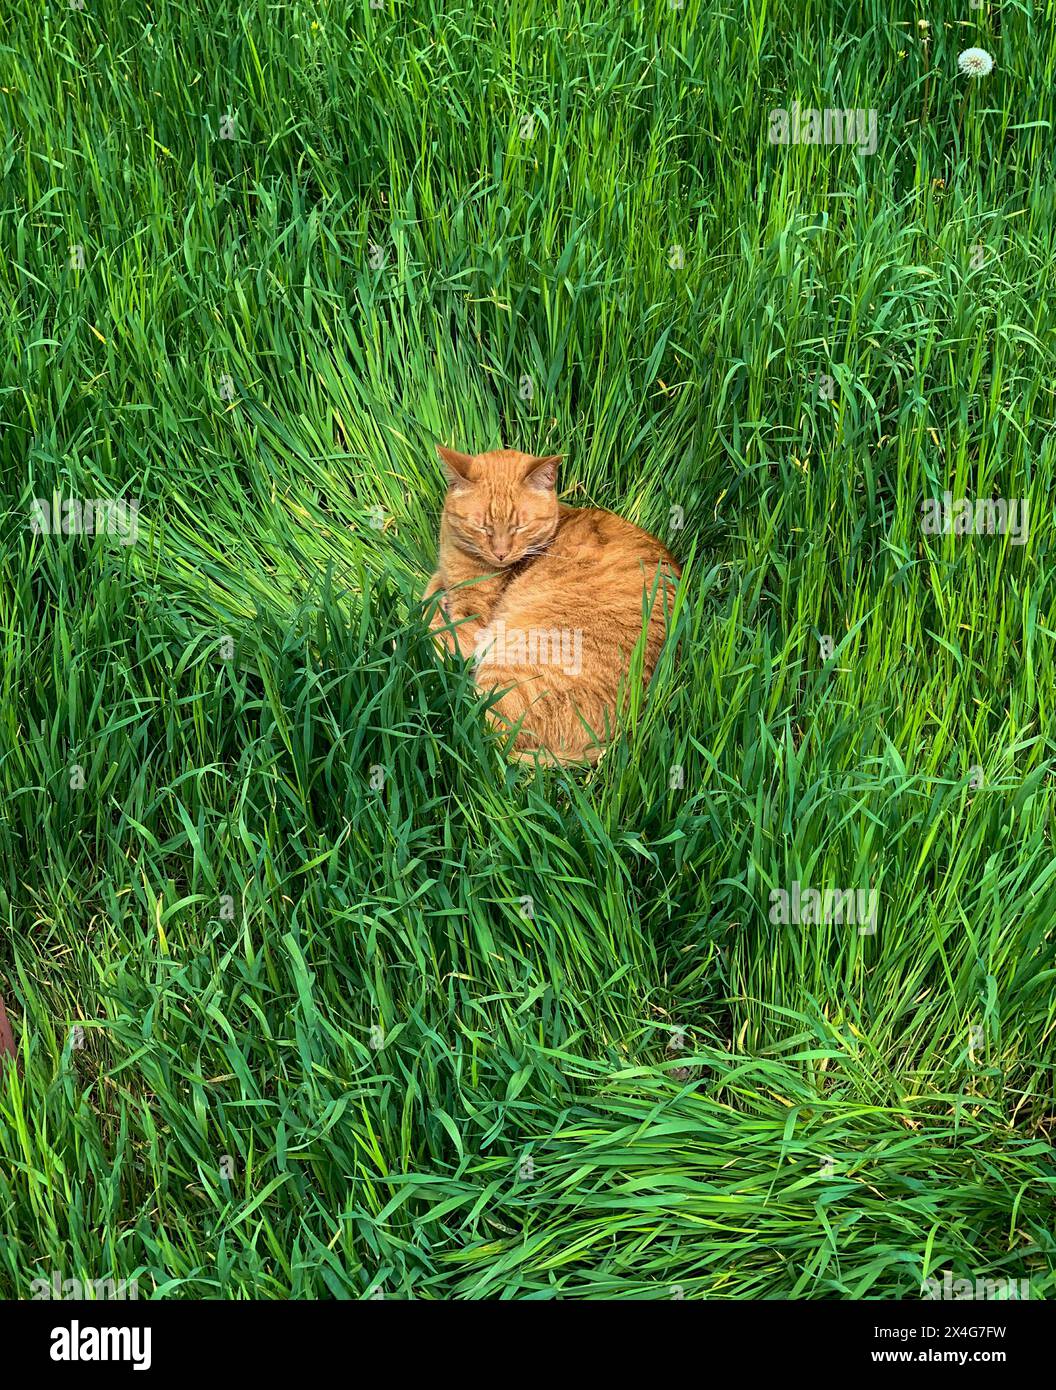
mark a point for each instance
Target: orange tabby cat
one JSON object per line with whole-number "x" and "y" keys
{"x": 546, "y": 599}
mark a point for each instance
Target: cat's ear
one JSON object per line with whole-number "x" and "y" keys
{"x": 543, "y": 473}
{"x": 456, "y": 465}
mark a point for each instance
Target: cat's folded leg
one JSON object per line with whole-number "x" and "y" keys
{"x": 439, "y": 612}
{"x": 435, "y": 586}
{"x": 462, "y": 635}
{"x": 452, "y": 627}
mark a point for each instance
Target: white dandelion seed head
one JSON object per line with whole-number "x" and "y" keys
{"x": 975, "y": 62}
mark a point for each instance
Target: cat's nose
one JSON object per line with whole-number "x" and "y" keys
{"x": 501, "y": 554}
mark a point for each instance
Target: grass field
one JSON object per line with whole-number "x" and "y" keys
{"x": 315, "y": 993}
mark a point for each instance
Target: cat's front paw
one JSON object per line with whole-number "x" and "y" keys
{"x": 441, "y": 610}
{"x": 441, "y": 615}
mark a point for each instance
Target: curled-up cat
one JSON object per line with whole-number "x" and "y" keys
{"x": 547, "y": 600}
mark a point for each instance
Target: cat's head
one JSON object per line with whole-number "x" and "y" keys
{"x": 500, "y": 506}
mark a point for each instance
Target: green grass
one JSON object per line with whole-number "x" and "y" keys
{"x": 341, "y": 986}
